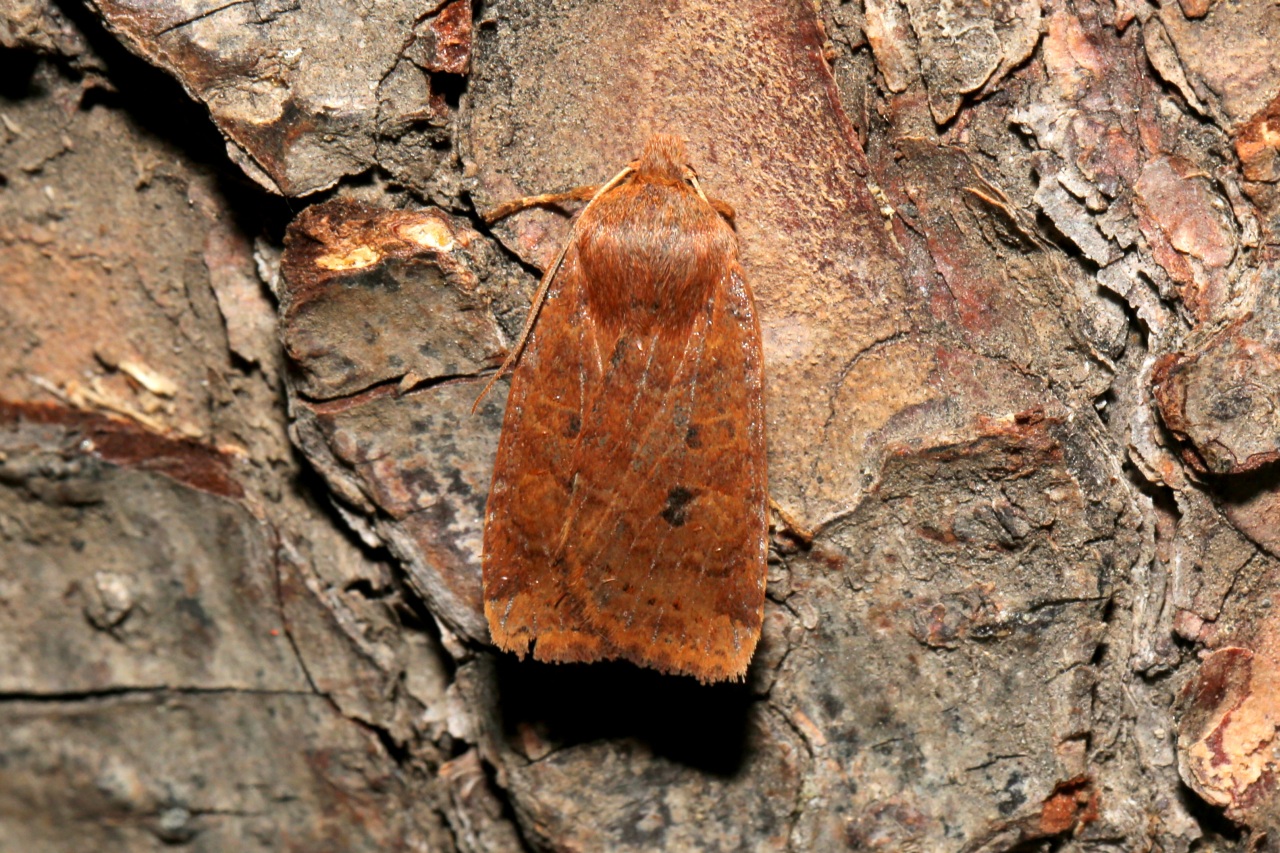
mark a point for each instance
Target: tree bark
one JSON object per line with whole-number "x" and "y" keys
{"x": 1018, "y": 277}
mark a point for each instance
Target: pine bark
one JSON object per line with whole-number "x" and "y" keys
{"x": 1018, "y": 275}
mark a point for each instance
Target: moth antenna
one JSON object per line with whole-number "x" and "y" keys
{"x": 541, "y": 296}
{"x": 693, "y": 179}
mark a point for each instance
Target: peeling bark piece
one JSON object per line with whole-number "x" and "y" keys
{"x": 294, "y": 87}
{"x": 1223, "y": 397}
{"x": 1191, "y": 215}
{"x": 964, "y": 46}
{"x": 1164, "y": 59}
{"x": 371, "y": 295}
{"x": 1189, "y": 229}
{"x": 893, "y": 43}
{"x": 1095, "y": 103}
{"x": 1227, "y": 733}
{"x": 1215, "y": 401}
{"x": 247, "y": 311}
{"x": 1228, "y": 53}
{"x": 1076, "y": 223}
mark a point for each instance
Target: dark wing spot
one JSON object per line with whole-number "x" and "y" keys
{"x": 676, "y": 511}
{"x": 619, "y": 352}
{"x": 692, "y": 439}
{"x": 574, "y": 426}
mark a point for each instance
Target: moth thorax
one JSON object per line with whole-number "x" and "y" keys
{"x": 642, "y": 274}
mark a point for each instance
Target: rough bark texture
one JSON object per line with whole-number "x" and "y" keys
{"x": 1018, "y": 274}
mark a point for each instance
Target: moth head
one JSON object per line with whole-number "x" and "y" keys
{"x": 664, "y": 157}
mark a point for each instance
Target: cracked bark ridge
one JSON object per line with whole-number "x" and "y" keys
{"x": 412, "y": 472}
{"x": 383, "y": 318}
{"x": 307, "y": 95}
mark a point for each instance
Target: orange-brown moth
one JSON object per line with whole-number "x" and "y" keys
{"x": 627, "y": 516}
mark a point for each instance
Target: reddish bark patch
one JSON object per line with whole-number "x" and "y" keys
{"x": 445, "y": 46}
{"x": 1072, "y": 804}
{"x": 126, "y": 444}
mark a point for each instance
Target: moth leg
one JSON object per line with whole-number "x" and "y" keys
{"x": 583, "y": 193}
{"x": 723, "y": 208}
{"x": 550, "y": 274}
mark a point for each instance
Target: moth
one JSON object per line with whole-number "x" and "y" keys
{"x": 627, "y": 516}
